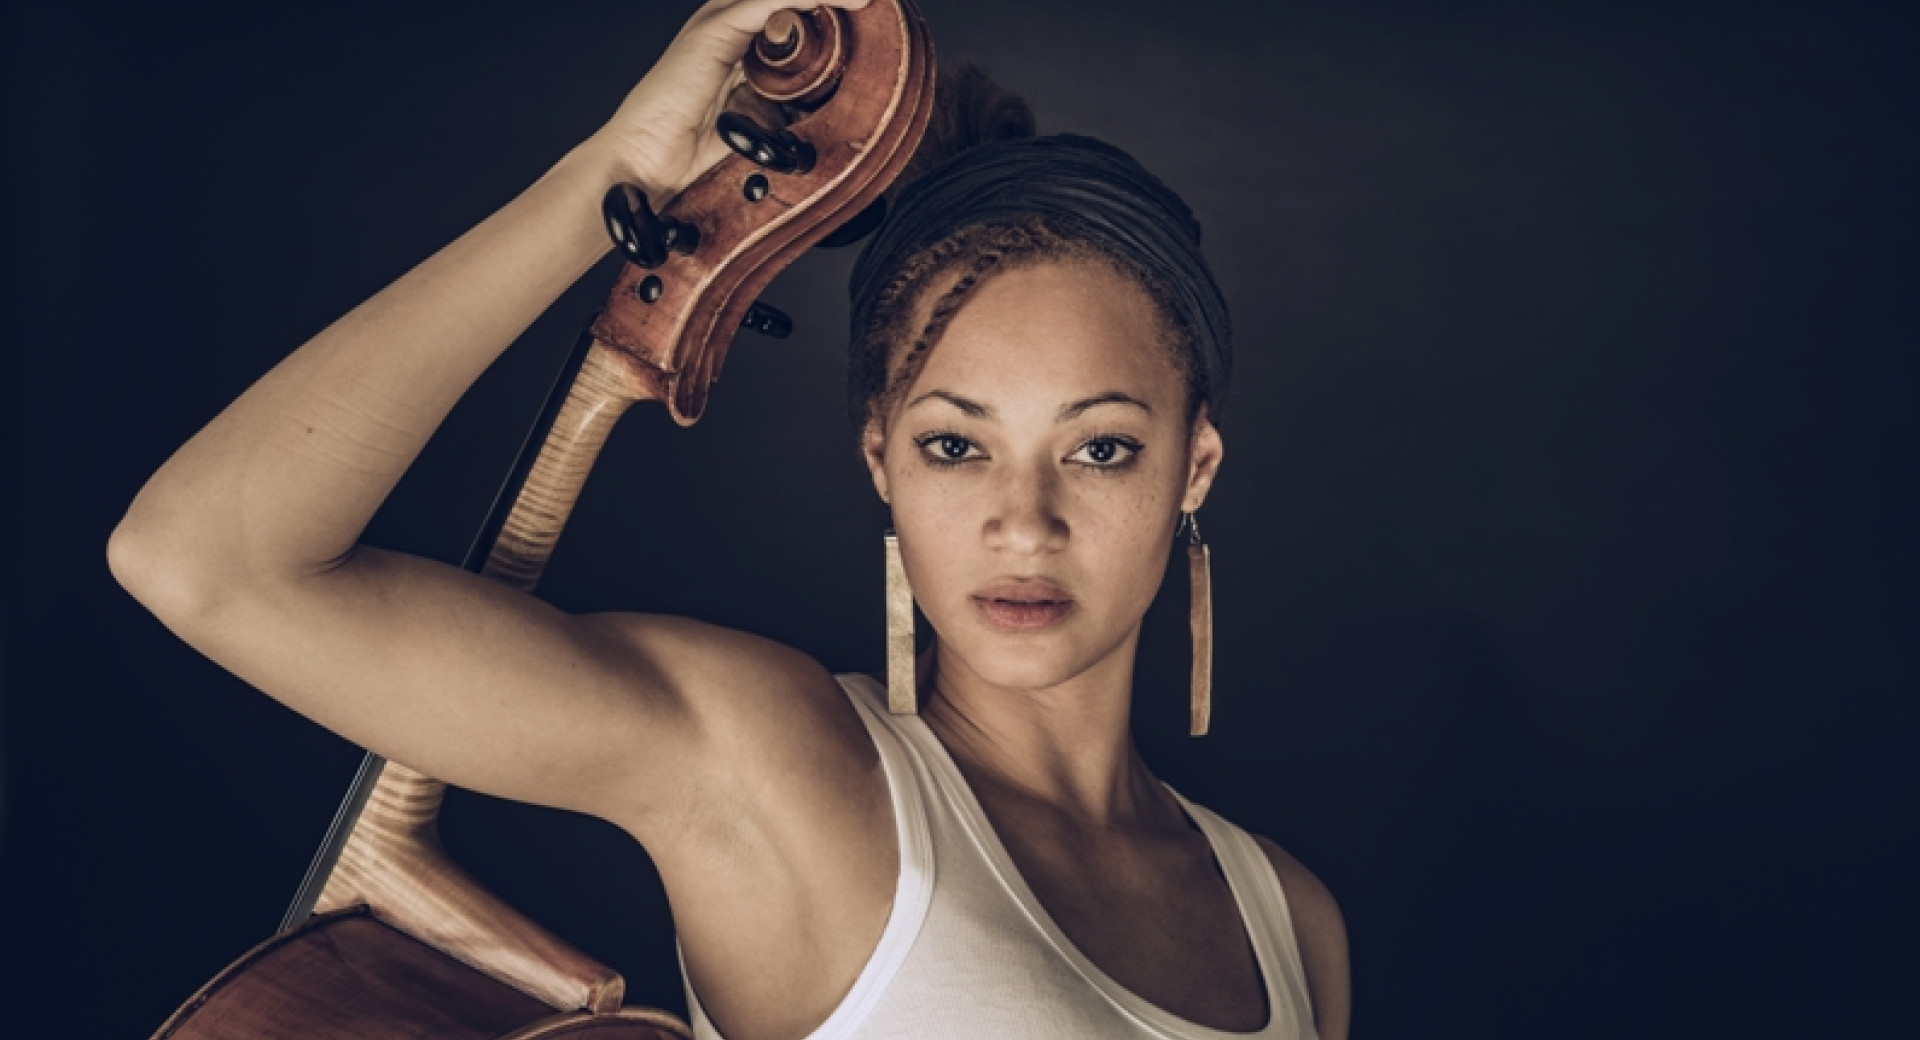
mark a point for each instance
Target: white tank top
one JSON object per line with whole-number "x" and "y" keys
{"x": 968, "y": 951}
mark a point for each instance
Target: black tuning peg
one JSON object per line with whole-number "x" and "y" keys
{"x": 862, "y": 225}
{"x": 777, "y": 150}
{"x": 768, "y": 321}
{"x": 641, "y": 235}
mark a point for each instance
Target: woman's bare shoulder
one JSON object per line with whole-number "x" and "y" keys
{"x": 784, "y": 758}
{"x": 1322, "y": 936}
{"x": 721, "y": 666}
{"x": 741, "y": 686}
{"x": 778, "y": 846}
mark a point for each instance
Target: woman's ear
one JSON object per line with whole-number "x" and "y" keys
{"x": 873, "y": 444}
{"x": 1204, "y": 452}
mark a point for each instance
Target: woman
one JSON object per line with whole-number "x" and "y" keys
{"x": 1038, "y": 354}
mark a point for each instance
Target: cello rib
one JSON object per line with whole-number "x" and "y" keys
{"x": 393, "y": 864}
{"x": 348, "y": 976}
{"x": 386, "y": 936}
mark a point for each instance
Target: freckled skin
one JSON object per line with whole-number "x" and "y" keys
{"x": 1029, "y": 499}
{"x": 1038, "y": 720}
{"x": 738, "y": 762}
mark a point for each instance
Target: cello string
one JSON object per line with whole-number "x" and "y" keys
{"x": 368, "y": 774}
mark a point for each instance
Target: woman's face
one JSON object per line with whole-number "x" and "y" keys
{"x": 1036, "y": 468}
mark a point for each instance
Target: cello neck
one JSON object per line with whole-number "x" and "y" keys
{"x": 383, "y": 849}
{"x": 546, "y": 480}
{"x": 591, "y": 392}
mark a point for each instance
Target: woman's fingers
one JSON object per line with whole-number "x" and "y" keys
{"x": 662, "y": 135}
{"x": 750, "y": 16}
{"x": 732, "y": 24}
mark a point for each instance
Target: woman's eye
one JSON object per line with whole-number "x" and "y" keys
{"x": 945, "y": 449}
{"x": 1107, "y": 452}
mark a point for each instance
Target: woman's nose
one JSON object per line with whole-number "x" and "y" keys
{"x": 1025, "y": 518}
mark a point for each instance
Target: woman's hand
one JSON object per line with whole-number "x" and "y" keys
{"x": 662, "y": 136}
{"x": 737, "y": 761}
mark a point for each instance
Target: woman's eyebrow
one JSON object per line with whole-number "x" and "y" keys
{"x": 976, "y": 410}
{"x": 973, "y": 409}
{"x": 1110, "y": 397}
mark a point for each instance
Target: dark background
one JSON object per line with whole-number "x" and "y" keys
{"x": 1564, "y": 550}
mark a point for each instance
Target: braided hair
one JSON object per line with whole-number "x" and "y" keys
{"x": 889, "y": 351}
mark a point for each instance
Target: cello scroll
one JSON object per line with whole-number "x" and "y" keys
{"x": 855, "y": 89}
{"x": 405, "y": 943}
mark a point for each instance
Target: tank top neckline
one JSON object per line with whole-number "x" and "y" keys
{"x": 953, "y": 785}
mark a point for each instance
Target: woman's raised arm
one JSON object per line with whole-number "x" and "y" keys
{"x": 245, "y": 543}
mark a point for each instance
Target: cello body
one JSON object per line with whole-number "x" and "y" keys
{"x": 388, "y": 937}
{"x": 348, "y": 974}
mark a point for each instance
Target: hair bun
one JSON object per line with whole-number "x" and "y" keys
{"x": 968, "y": 109}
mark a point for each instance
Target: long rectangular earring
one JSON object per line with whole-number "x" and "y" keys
{"x": 1200, "y": 621}
{"x": 902, "y": 696}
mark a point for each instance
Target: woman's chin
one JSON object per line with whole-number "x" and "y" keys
{"x": 1027, "y": 661}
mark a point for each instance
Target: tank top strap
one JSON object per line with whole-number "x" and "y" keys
{"x": 1256, "y": 891}
{"x": 1263, "y": 906}
{"x": 982, "y": 956}
{"x": 912, "y": 893}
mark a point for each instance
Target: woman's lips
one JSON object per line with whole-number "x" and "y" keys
{"x": 1023, "y": 605}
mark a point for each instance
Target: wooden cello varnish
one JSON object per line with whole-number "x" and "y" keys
{"x": 399, "y": 939}
{"x": 393, "y": 862}
{"x": 387, "y": 936}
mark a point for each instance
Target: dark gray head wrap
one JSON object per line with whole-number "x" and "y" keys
{"x": 1084, "y": 184}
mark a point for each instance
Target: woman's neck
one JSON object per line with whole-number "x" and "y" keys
{"x": 1069, "y": 745}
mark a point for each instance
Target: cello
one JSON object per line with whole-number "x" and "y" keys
{"x": 386, "y": 936}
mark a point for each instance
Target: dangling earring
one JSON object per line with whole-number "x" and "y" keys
{"x": 1200, "y": 621}
{"x": 902, "y": 696}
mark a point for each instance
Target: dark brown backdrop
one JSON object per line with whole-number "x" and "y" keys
{"x": 1565, "y": 545}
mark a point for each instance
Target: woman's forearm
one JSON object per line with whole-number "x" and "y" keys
{"x": 282, "y": 482}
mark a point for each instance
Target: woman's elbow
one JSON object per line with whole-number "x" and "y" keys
{"x": 161, "y": 573}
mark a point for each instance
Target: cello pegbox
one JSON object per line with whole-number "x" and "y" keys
{"x": 858, "y": 88}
